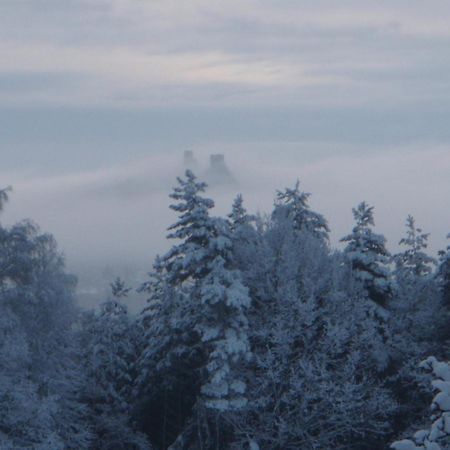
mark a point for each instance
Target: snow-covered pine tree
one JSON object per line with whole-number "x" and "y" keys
{"x": 366, "y": 251}
{"x": 204, "y": 261}
{"x": 119, "y": 289}
{"x": 151, "y": 317}
{"x": 4, "y": 197}
{"x": 315, "y": 349}
{"x": 187, "y": 261}
{"x": 443, "y": 274}
{"x": 414, "y": 305}
{"x": 293, "y": 229}
{"x": 207, "y": 304}
{"x": 293, "y": 204}
{"x": 247, "y": 241}
{"x": 414, "y": 262}
{"x": 174, "y": 342}
{"x": 239, "y": 216}
{"x": 110, "y": 355}
{"x": 416, "y": 301}
{"x": 224, "y": 324}
{"x": 166, "y": 385}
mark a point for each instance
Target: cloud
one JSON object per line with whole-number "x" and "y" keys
{"x": 147, "y": 54}
{"x": 333, "y": 93}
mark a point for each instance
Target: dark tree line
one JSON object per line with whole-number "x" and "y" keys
{"x": 256, "y": 335}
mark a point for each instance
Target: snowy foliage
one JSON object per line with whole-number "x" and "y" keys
{"x": 416, "y": 302}
{"x": 368, "y": 256}
{"x": 40, "y": 392}
{"x": 316, "y": 353}
{"x": 186, "y": 261}
{"x": 293, "y": 204}
{"x": 437, "y": 436}
{"x": 255, "y": 335}
{"x": 238, "y": 216}
{"x": 195, "y": 323}
{"x": 224, "y": 324}
{"x": 110, "y": 352}
{"x": 4, "y": 197}
{"x": 413, "y": 261}
{"x": 444, "y": 273}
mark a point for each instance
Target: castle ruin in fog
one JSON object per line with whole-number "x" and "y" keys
{"x": 217, "y": 172}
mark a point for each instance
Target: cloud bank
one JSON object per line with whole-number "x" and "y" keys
{"x": 121, "y": 53}
{"x": 120, "y": 213}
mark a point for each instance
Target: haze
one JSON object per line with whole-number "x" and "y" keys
{"x": 99, "y": 100}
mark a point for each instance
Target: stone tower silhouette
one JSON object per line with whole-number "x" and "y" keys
{"x": 218, "y": 172}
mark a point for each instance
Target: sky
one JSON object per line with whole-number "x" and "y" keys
{"x": 100, "y": 98}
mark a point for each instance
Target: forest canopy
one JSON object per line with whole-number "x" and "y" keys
{"x": 256, "y": 334}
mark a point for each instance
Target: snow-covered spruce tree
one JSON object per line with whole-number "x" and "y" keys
{"x": 415, "y": 305}
{"x": 242, "y": 230}
{"x": 173, "y": 357}
{"x": 368, "y": 256}
{"x": 4, "y": 197}
{"x": 224, "y": 325}
{"x": 248, "y": 245}
{"x": 238, "y": 215}
{"x": 204, "y": 262}
{"x": 41, "y": 378}
{"x": 437, "y": 436}
{"x": 414, "y": 262}
{"x": 110, "y": 353}
{"x": 444, "y": 274}
{"x": 167, "y": 384}
{"x": 293, "y": 204}
{"x": 205, "y": 338}
{"x": 186, "y": 262}
{"x": 416, "y": 302}
{"x": 310, "y": 383}
{"x": 294, "y": 224}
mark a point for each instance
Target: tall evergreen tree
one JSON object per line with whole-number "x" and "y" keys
{"x": 293, "y": 204}
{"x": 444, "y": 274}
{"x": 110, "y": 353}
{"x": 414, "y": 305}
{"x": 239, "y": 216}
{"x": 416, "y": 299}
{"x": 167, "y": 383}
{"x": 368, "y": 256}
{"x": 187, "y": 261}
{"x": 224, "y": 325}
{"x": 4, "y": 197}
{"x": 202, "y": 309}
{"x": 413, "y": 261}
{"x": 316, "y": 349}
{"x": 204, "y": 260}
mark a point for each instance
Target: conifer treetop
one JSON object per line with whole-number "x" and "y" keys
{"x": 293, "y": 204}
{"x": 4, "y": 196}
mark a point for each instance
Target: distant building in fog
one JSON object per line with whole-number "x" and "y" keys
{"x": 218, "y": 172}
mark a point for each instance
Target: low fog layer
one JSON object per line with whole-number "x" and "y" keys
{"x": 114, "y": 218}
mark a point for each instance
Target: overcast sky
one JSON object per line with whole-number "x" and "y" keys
{"x": 351, "y": 97}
